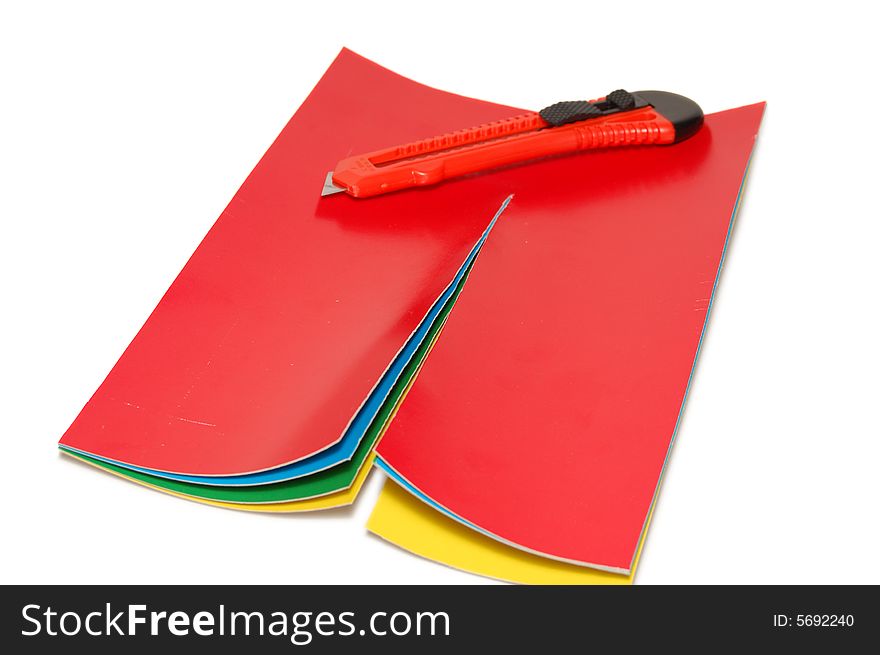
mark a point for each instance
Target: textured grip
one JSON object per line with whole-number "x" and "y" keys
{"x": 631, "y": 133}
{"x": 495, "y": 130}
{"x": 623, "y": 100}
{"x": 569, "y": 111}
{"x": 574, "y": 111}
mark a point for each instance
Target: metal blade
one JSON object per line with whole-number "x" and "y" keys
{"x": 329, "y": 187}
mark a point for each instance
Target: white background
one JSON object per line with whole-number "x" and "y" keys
{"x": 124, "y": 131}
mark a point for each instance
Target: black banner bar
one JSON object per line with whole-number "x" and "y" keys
{"x": 325, "y": 619}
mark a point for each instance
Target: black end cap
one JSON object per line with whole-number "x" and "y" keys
{"x": 684, "y": 114}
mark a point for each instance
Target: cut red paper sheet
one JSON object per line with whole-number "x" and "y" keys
{"x": 292, "y": 307}
{"x": 545, "y": 414}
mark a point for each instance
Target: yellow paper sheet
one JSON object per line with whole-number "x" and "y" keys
{"x": 328, "y": 501}
{"x": 407, "y": 522}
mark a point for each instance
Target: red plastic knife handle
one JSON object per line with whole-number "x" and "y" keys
{"x": 669, "y": 118}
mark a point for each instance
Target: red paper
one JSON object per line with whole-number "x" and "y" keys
{"x": 292, "y": 307}
{"x": 545, "y": 412}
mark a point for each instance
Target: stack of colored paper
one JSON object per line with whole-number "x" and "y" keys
{"x": 571, "y": 294}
